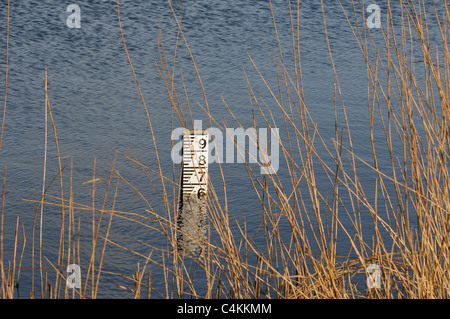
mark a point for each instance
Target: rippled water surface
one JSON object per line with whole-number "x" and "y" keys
{"x": 97, "y": 109}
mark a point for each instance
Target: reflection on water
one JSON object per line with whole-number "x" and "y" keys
{"x": 192, "y": 225}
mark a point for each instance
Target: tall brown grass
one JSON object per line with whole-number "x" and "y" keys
{"x": 409, "y": 207}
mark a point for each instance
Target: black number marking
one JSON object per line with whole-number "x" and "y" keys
{"x": 202, "y": 143}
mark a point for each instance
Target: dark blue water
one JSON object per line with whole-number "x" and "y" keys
{"x": 96, "y": 105}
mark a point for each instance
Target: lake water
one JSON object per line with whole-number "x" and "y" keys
{"x": 97, "y": 108}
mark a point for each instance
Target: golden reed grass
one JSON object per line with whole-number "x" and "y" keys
{"x": 409, "y": 207}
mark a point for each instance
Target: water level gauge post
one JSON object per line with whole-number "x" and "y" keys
{"x": 195, "y": 163}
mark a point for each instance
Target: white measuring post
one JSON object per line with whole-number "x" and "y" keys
{"x": 195, "y": 163}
